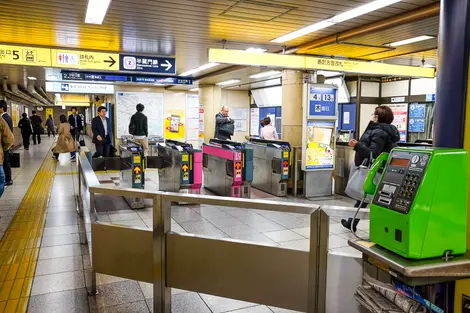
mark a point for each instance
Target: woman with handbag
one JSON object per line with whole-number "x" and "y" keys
{"x": 65, "y": 142}
{"x": 380, "y": 136}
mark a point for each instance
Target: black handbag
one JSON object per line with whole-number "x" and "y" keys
{"x": 14, "y": 159}
{"x": 81, "y": 141}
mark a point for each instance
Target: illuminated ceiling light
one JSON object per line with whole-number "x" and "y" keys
{"x": 361, "y": 10}
{"x": 194, "y": 89}
{"x": 429, "y": 66}
{"x": 265, "y": 74}
{"x": 228, "y": 82}
{"x": 259, "y": 50}
{"x": 329, "y": 73}
{"x": 32, "y": 78}
{"x": 408, "y": 41}
{"x": 199, "y": 69}
{"x": 96, "y": 11}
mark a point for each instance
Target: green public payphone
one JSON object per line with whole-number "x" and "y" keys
{"x": 419, "y": 208}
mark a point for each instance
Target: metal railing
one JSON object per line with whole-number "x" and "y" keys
{"x": 246, "y": 271}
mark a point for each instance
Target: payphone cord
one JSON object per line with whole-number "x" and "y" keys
{"x": 354, "y": 218}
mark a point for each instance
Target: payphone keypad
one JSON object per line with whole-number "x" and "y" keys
{"x": 401, "y": 181}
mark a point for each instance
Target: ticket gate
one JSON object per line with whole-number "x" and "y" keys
{"x": 271, "y": 165}
{"x": 181, "y": 169}
{"x": 419, "y": 208}
{"x": 228, "y": 168}
{"x": 132, "y": 170}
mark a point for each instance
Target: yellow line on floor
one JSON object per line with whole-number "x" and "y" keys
{"x": 66, "y": 173}
{"x": 19, "y": 248}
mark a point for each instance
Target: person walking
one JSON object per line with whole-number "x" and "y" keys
{"x": 224, "y": 125}
{"x": 6, "y": 153}
{"x": 50, "y": 126}
{"x": 26, "y": 130}
{"x": 65, "y": 142}
{"x": 102, "y": 133}
{"x": 36, "y": 121}
{"x": 268, "y": 131}
{"x": 138, "y": 127}
{"x": 380, "y": 136}
{"x": 75, "y": 122}
{"x": 6, "y": 142}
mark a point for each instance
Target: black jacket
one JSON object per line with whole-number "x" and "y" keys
{"x": 138, "y": 125}
{"x": 98, "y": 130}
{"x": 36, "y": 122}
{"x": 224, "y": 127}
{"x": 9, "y": 121}
{"x": 377, "y": 138}
{"x": 25, "y": 126}
{"x": 79, "y": 122}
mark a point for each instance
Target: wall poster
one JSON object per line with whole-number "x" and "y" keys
{"x": 254, "y": 122}
{"x": 174, "y": 126}
{"x": 192, "y": 117}
{"x": 400, "y": 113}
{"x": 319, "y": 153}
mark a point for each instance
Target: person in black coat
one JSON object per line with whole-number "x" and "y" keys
{"x": 26, "y": 130}
{"x": 6, "y": 154}
{"x": 76, "y": 125}
{"x": 102, "y": 133}
{"x": 223, "y": 125}
{"x": 380, "y": 136}
{"x": 36, "y": 121}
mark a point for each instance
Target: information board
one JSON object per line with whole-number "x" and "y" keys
{"x": 192, "y": 117}
{"x": 149, "y": 64}
{"x": 254, "y": 122}
{"x": 18, "y": 55}
{"x": 417, "y": 117}
{"x": 85, "y": 60}
{"x": 319, "y": 146}
{"x": 321, "y": 102}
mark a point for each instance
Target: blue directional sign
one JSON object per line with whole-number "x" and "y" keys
{"x": 147, "y": 64}
{"x": 322, "y": 101}
{"x": 137, "y": 78}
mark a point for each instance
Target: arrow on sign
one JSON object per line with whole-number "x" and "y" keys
{"x": 237, "y": 166}
{"x": 185, "y": 168}
{"x": 136, "y": 170}
{"x": 286, "y": 163}
{"x": 111, "y": 61}
{"x": 167, "y": 65}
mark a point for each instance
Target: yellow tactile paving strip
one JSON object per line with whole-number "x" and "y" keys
{"x": 19, "y": 248}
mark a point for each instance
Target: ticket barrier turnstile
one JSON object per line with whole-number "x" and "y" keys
{"x": 181, "y": 170}
{"x": 132, "y": 170}
{"x": 271, "y": 165}
{"x": 228, "y": 168}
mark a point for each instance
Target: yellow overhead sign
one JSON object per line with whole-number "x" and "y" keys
{"x": 85, "y": 60}
{"x": 311, "y": 63}
{"x": 18, "y": 55}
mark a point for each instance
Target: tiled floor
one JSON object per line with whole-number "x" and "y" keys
{"x": 63, "y": 266}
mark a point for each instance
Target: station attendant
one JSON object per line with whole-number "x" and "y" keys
{"x": 65, "y": 142}
{"x": 224, "y": 125}
{"x": 268, "y": 131}
{"x": 138, "y": 127}
{"x": 102, "y": 133}
{"x": 380, "y": 136}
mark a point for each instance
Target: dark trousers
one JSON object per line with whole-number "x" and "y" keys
{"x": 36, "y": 137}
{"x": 49, "y": 131}
{"x": 6, "y": 166}
{"x": 75, "y": 134}
{"x": 26, "y": 140}
{"x": 103, "y": 149}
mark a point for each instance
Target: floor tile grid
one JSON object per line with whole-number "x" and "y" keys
{"x": 20, "y": 246}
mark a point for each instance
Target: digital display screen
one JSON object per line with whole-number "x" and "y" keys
{"x": 400, "y": 162}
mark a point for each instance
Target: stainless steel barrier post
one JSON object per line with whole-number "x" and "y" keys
{"x": 161, "y": 225}
{"x": 94, "y": 290}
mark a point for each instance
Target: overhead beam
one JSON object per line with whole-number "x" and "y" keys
{"x": 237, "y": 57}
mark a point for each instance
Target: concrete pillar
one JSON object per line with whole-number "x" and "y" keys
{"x": 452, "y": 75}
{"x": 292, "y": 82}
{"x": 210, "y": 98}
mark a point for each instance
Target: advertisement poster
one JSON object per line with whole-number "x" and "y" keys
{"x": 322, "y": 101}
{"x": 174, "y": 126}
{"x": 192, "y": 117}
{"x": 417, "y": 115}
{"x": 201, "y": 124}
{"x": 319, "y": 153}
{"x": 400, "y": 113}
{"x": 254, "y": 122}
{"x": 50, "y": 111}
{"x": 15, "y": 114}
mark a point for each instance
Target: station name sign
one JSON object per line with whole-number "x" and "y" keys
{"x": 136, "y": 78}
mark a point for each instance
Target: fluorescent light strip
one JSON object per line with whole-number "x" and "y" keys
{"x": 361, "y": 10}
{"x": 265, "y": 74}
{"x": 228, "y": 82}
{"x": 411, "y": 40}
{"x": 32, "y": 78}
{"x": 199, "y": 69}
{"x": 194, "y": 89}
{"x": 96, "y": 11}
{"x": 259, "y": 50}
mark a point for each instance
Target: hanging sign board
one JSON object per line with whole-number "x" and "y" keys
{"x": 85, "y": 60}
{"x": 321, "y": 102}
{"x": 18, "y": 55}
{"x": 148, "y": 64}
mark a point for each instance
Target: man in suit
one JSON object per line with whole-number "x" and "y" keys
{"x": 6, "y": 153}
{"x": 102, "y": 133}
{"x": 36, "y": 122}
{"x": 75, "y": 122}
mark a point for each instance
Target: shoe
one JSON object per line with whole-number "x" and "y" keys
{"x": 347, "y": 224}
{"x": 9, "y": 183}
{"x": 73, "y": 159}
{"x": 26, "y": 149}
{"x": 54, "y": 158}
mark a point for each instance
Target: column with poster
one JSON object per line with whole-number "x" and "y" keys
{"x": 318, "y": 138}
